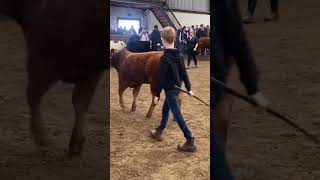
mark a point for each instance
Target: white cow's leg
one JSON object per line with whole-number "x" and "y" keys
{"x": 81, "y": 98}
{"x": 135, "y": 93}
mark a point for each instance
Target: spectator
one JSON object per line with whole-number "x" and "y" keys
{"x": 188, "y": 29}
{"x": 201, "y": 32}
{"x": 131, "y": 30}
{"x": 134, "y": 44}
{"x": 192, "y": 44}
{"x": 208, "y": 30}
{"x": 140, "y": 30}
{"x": 178, "y": 34}
{"x": 205, "y": 32}
{"x": 185, "y": 36}
{"x": 125, "y": 32}
{"x": 155, "y": 39}
{"x": 113, "y": 32}
{"x": 120, "y": 30}
{"x": 180, "y": 38}
{"x": 145, "y": 40}
{"x": 197, "y": 27}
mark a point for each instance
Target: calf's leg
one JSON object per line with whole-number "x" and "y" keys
{"x": 122, "y": 88}
{"x": 151, "y": 108}
{"x": 38, "y": 85}
{"x": 135, "y": 93}
{"x": 81, "y": 98}
{"x": 223, "y": 118}
{"x": 153, "y": 85}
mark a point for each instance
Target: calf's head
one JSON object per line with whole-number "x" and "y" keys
{"x": 115, "y": 57}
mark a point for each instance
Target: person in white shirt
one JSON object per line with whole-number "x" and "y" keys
{"x": 145, "y": 40}
{"x": 144, "y": 36}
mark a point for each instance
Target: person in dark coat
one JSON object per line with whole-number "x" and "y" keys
{"x": 125, "y": 31}
{"x": 132, "y": 31}
{"x": 192, "y": 44}
{"x": 196, "y": 30}
{"x": 177, "y": 42}
{"x": 134, "y": 44}
{"x": 182, "y": 39}
{"x": 156, "y": 39}
{"x": 120, "y": 30}
{"x": 185, "y": 36}
{"x": 201, "y": 32}
{"x": 252, "y": 6}
{"x": 230, "y": 43}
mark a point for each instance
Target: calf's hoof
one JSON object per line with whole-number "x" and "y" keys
{"x": 133, "y": 108}
{"x": 76, "y": 146}
{"x": 148, "y": 115}
{"x": 40, "y": 139}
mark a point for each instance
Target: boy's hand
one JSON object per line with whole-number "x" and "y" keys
{"x": 191, "y": 93}
{"x": 195, "y": 49}
{"x": 156, "y": 100}
{"x": 260, "y": 100}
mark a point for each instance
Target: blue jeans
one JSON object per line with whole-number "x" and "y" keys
{"x": 171, "y": 103}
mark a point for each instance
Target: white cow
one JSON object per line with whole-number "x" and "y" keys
{"x": 116, "y": 46}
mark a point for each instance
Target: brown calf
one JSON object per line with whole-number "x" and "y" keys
{"x": 135, "y": 69}
{"x": 204, "y": 43}
{"x": 65, "y": 42}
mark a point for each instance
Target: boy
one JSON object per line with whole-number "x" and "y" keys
{"x": 230, "y": 43}
{"x": 172, "y": 72}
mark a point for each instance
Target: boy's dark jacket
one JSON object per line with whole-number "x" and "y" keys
{"x": 172, "y": 71}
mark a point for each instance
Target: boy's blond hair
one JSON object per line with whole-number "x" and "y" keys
{"x": 168, "y": 34}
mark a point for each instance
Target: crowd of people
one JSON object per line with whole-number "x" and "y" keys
{"x": 187, "y": 40}
{"x": 145, "y": 40}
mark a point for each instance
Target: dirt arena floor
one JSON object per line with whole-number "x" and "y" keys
{"x": 19, "y": 157}
{"x": 287, "y": 53}
{"x": 134, "y": 155}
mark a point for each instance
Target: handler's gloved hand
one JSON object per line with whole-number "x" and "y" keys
{"x": 260, "y": 100}
{"x": 191, "y": 93}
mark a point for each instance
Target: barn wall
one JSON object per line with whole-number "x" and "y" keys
{"x": 149, "y": 20}
{"x": 123, "y": 12}
{"x": 188, "y": 19}
{"x": 192, "y": 5}
{"x": 152, "y": 20}
{"x": 185, "y": 19}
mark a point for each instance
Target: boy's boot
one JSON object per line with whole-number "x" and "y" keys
{"x": 188, "y": 146}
